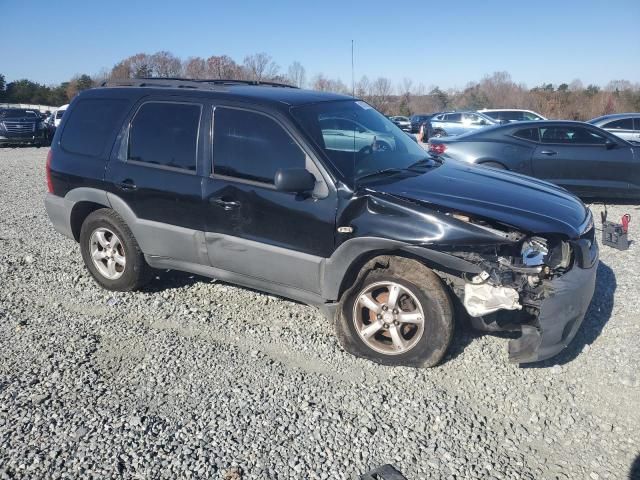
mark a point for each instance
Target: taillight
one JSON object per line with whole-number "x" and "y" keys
{"x": 49, "y": 183}
{"x": 437, "y": 148}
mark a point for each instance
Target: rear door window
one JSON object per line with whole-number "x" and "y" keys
{"x": 91, "y": 124}
{"x": 621, "y": 124}
{"x": 165, "y": 134}
{"x": 252, "y": 146}
{"x": 454, "y": 117}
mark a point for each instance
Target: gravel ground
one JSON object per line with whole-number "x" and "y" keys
{"x": 194, "y": 378}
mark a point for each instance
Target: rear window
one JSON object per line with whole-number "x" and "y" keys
{"x": 165, "y": 134}
{"x": 90, "y": 124}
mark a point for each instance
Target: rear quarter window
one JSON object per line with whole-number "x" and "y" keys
{"x": 528, "y": 134}
{"x": 90, "y": 124}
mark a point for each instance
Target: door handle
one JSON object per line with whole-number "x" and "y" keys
{"x": 548, "y": 152}
{"x": 225, "y": 204}
{"x": 126, "y": 185}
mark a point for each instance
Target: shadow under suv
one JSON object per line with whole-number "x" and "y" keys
{"x": 239, "y": 181}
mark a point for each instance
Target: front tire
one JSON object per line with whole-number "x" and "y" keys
{"x": 111, "y": 253}
{"x": 399, "y": 315}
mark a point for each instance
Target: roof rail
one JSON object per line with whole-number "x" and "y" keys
{"x": 187, "y": 83}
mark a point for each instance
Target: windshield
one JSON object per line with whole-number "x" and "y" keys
{"x": 17, "y": 113}
{"x": 358, "y": 140}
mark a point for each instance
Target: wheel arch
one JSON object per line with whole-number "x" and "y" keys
{"x": 80, "y": 211}
{"x": 350, "y": 259}
{"x": 484, "y": 161}
{"x": 84, "y": 201}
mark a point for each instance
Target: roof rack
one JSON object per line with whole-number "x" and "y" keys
{"x": 187, "y": 83}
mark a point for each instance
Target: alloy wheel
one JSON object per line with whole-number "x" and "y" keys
{"x": 388, "y": 318}
{"x": 107, "y": 253}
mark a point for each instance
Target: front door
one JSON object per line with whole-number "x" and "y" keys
{"x": 252, "y": 229}
{"x": 578, "y": 158}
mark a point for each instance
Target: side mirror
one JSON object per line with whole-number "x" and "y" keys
{"x": 296, "y": 180}
{"x": 610, "y": 144}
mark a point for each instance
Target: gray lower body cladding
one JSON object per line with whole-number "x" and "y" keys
{"x": 562, "y": 311}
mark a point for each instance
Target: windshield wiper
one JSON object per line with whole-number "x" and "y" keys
{"x": 384, "y": 171}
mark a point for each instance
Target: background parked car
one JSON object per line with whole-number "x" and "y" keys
{"x": 348, "y": 135}
{"x": 402, "y": 122}
{"x": 578, "y": 156}
{"x": 57, "y": 116}
{"x": 21, "y": 126}
{"x": 418, "y": 119}
{"x": 511, "y": 115}
{"x": 456, "y": 123}
{"x": 624, "y": 125}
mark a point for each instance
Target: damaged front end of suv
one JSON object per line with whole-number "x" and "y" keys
{"x": 540, "y": 286}
{"x": 519, "y": 254}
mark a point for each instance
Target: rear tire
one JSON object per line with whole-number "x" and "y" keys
{"x": 414, "y": 330}
{"x": 111, "y": 253}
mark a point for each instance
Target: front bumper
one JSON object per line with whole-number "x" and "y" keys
{"x": 38, "y": 136}
{"x": 562, "y": 311}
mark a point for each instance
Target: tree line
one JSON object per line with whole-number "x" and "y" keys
{"x": 567, "y": 100}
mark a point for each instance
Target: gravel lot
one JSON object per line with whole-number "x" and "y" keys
{"x": 194, "y": 378}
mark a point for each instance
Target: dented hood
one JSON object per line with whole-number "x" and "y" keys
{"x": 523, "y": 202}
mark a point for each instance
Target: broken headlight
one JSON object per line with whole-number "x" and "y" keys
{"x": 554, "y": 254}
{"x": 534, "y": 250}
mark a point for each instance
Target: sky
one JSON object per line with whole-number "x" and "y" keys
{"x": 447, "y": 44}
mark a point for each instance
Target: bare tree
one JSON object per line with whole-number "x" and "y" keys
{"x": 120, "y": 71}
{"x": 141, "y": 65}
{"x": 166, "y": 64}
{"x": 297, "y": 74}
{"x": 363, "y": 87}
{"x": 135, "y": 66}
{"x": 224, "y": 67}
{"x": 195, "y": 67}
{"x": 381, "y": 91}
{"x": 405, "y": 87}
{"x": 260, "y": 66}
{"x": 324, "y": 84}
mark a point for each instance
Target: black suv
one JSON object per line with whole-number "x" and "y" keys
{"x": 248, "y": 183}
{"x": 22, "y": 126}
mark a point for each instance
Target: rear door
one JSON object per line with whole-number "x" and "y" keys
{"x": 252, "y": 229}
{"x": 155, "y": 175}
{"x": 578, "y": 158}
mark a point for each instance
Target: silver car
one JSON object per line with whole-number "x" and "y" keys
{"x": 623, "y": 125}
{"x": 456, "y": 123}
{"x": 348, "y": 135}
